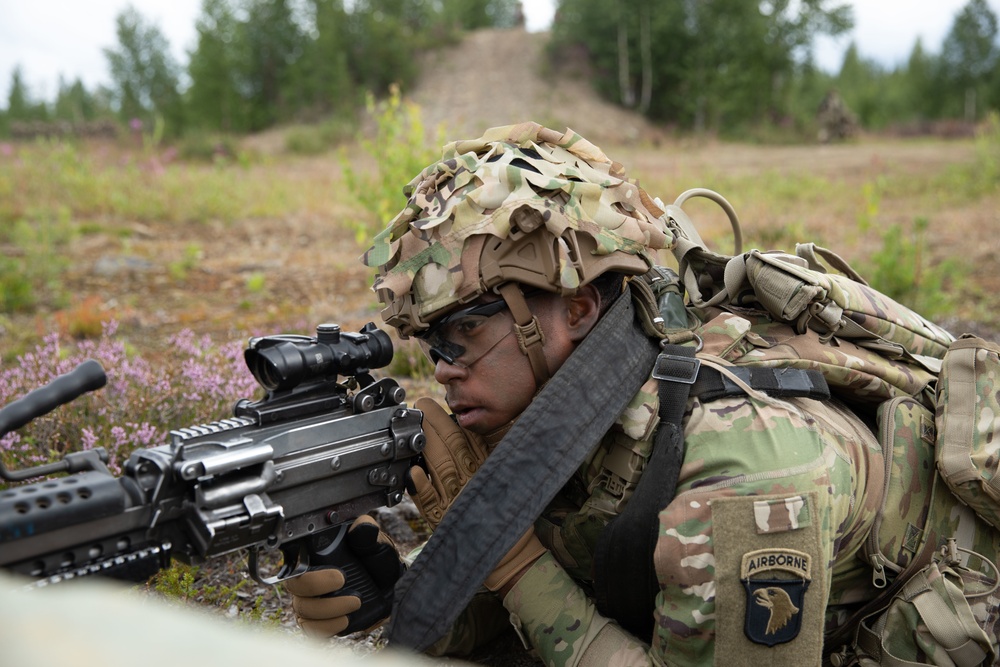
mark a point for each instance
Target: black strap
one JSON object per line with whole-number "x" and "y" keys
{"x": 777, "y": 382}
{"x": 535, "y": 459}
{"x": 625, "y": 583}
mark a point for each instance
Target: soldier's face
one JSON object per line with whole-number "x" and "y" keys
{"x": 500, "y": 384}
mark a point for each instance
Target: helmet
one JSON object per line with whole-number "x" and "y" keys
{"x": 522, "y": 204}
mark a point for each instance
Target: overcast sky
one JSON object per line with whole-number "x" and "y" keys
{"x": 49, "y": 38}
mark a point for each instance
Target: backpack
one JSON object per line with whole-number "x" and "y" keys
{"x": 935, "y": 543}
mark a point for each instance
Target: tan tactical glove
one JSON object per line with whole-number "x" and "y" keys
{"x": 451, "y": 457}
{"x": 525, "y": 552}
{"x": 353, "y": 590}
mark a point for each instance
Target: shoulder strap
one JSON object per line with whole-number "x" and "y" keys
{"x": 777, "y": 382}
{"x": 625, "y": 582}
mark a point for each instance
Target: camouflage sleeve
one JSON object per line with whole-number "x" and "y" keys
{"x": 770, "y": 497}
{"x": 483, "y": 620}
{"x": 554, "y": 615}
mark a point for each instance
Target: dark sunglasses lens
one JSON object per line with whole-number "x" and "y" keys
{"x": 445, "y": 350}
{"x": 464, "y": 337}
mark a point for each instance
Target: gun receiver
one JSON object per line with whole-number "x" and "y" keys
{"x": 282, "y": 474}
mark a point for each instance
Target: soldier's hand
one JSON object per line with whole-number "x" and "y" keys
{"x": 451, "y": 457}
{"x": 354, "y": 595}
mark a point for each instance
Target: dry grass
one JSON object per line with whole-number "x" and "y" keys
{"x": 284, "y": 260}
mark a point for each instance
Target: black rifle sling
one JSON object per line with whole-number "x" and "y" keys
{"x": 535, "y": 459}
{"x": 625, "y": 582}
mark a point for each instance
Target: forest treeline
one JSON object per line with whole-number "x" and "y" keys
{"x": 721, "y": 66}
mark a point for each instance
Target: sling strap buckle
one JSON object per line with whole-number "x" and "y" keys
{"x": 676, "y": 368}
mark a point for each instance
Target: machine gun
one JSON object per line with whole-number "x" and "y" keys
{"x": 288, "y": 472}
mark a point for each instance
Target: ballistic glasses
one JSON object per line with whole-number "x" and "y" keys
{"x": 463, "y": 337}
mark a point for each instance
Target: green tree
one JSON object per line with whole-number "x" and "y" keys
{"x": 273, "y": 43}
{"x": 805, "y": 92}
{"x": 477, "y": 14}
{"x": 737, "y": 69}
{"x": 751, "y": 52}
{"x": 629, "y": 48}
{"x": 21, "y": 107}
{"x": 384, "y": 38}
{"x": 969, "y": 57}
{"x": 214, "y": 100}
{"x": 144, "y": 74}
{"x": 919, "y": 99}
{"x": 861, "y": 83}
{"x": 18, "y": 106}
{"x": 325, "y": 78}
{"x": 704, "y": 64}
{"x": 74, "y": 104}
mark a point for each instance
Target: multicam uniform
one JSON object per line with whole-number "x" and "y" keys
{"x": 778, "y": 490}
{"x": 760, "y": 553}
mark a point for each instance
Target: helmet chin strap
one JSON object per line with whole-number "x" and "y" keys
{"x": 528, "y": 331}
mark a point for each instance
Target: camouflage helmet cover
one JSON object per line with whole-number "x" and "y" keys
{"x": 522, "y": 203}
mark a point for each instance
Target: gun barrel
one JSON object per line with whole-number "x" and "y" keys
{"x": 65, "y": 524}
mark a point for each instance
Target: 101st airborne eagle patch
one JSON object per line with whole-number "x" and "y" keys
{"x": 775, "y": 581}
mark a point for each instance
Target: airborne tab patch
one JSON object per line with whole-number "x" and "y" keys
{"x": 775, "y": 581}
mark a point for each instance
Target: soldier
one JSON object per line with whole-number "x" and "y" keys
{"x": 836, "y": 120}
{"x": 518, "y": 253}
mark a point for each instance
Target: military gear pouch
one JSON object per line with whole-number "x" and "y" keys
{"x": 936, "y": 599}
{"x": 930, "y": 621}
{"x": 789, "y": 310}
{"x": 906, "y": 434}
{"x": 798, "y": 289}
{"x": 968, "y": 422}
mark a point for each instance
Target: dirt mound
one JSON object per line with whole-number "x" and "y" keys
{"x": 499, "y": 77}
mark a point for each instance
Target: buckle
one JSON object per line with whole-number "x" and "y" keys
{"x": 676, "y": 368}
{"x": 528, "y": 335}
